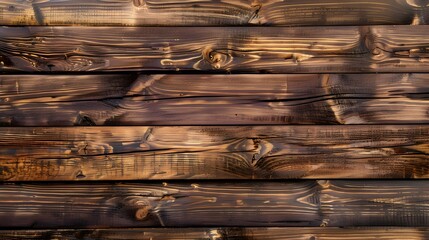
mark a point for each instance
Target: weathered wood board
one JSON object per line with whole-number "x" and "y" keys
{"x": 235, "y": 233}
{"x": 335, "y": 203}
{"x": 212, "y": 12}
{"x": 131, "y": 99}
{"x": 217, "y": 49}
{"x": 260, "y": 152}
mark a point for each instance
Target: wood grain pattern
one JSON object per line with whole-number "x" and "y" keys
{"x": 359, "y": 110}
{"x": 131, "y": 153}
{"x": 212, "y": 12}
{"x": 235, "y": 233}
{"x": 218, "y": 49}
{"x": 335, "y": 203}
{"x": 131, "y": 99}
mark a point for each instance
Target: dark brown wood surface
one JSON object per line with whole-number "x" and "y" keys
{"x": 335, "y": 203}
{"x": 231, "y": 233}
{"x": 212, "y": 12}
{"x": 219, "y": 49}
{"x": 131, "y": 99}
{"x": 253, "y": 109}
{"x": 261, "y": 152}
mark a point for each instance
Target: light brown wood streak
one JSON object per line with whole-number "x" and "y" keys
{"x": 131, "y": 99}
{"x": 296, "y": 233}
{"x": 218, "y": 49}
{"x": 335, "y": 203}
{"x": 212, "y": 12}
{"x": 262, "y": 152}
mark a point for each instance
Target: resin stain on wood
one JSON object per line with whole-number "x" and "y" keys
{"x": 335, "y": 203}
{"x": 212, "y": 12}
{"x": 214, "y": 152}
{"x": 217, "y": 49}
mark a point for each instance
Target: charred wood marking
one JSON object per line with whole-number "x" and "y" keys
{"x": 220, "y": 49}
{"x": 262, "y": 152}
{"x": 335, "y": 203}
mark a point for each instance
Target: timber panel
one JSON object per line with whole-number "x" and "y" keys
{"x": 236, "y": 233}
{"x": 336, "y": 203}
{"x": 262, "y": 152}
{"x": 131, "y": 99}
{"x": 212, "y": 13}
{"x": 217, "y": 49}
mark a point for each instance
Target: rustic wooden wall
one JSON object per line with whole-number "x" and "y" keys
{"x": 214, "y": 119}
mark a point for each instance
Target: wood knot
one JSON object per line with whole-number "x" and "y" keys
{"x": 5, "y": 61}
{"x": 324, "y": 183}
{"x": 256, "y": 7}
{"x": 217, "y": 59}
{"x": 142, "y": 213}
{"x": 168, "y": 198}
{"x": 139, "y": 3}
{"x": 84, "y": 120}
{"x": 6, "y": 173}
{"x": 80, "y": 175}
{"x": 324, "y": 223}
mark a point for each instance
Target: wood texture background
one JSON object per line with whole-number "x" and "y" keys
{"x": 233, "y": 233}
{"x": 219, "y": 49}
{"x": 132, "y": 99}
{"x": 261, "y": 152}
{"x": 212, "y": 12}
{"x": 336, "y": 203}
{"x": 101, "y": 100}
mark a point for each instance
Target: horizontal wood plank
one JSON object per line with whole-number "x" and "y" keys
{"x": 248, "y": 99}
{"x": 212, "y": 12}
{"x": 217, "y": 49}
{"x": 335, "y": 203}
{"x": 261, "y": 152}
{"x": 225, "y": 233}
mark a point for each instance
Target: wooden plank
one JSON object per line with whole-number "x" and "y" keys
{"x": 261, "y": 152}
{"x": 221, "y": 49}
{"x": 335, "y": 203}
{"x": 237, "y": 233}
{"x": 212, "y": 12}
{"x": 131, "y": 99}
